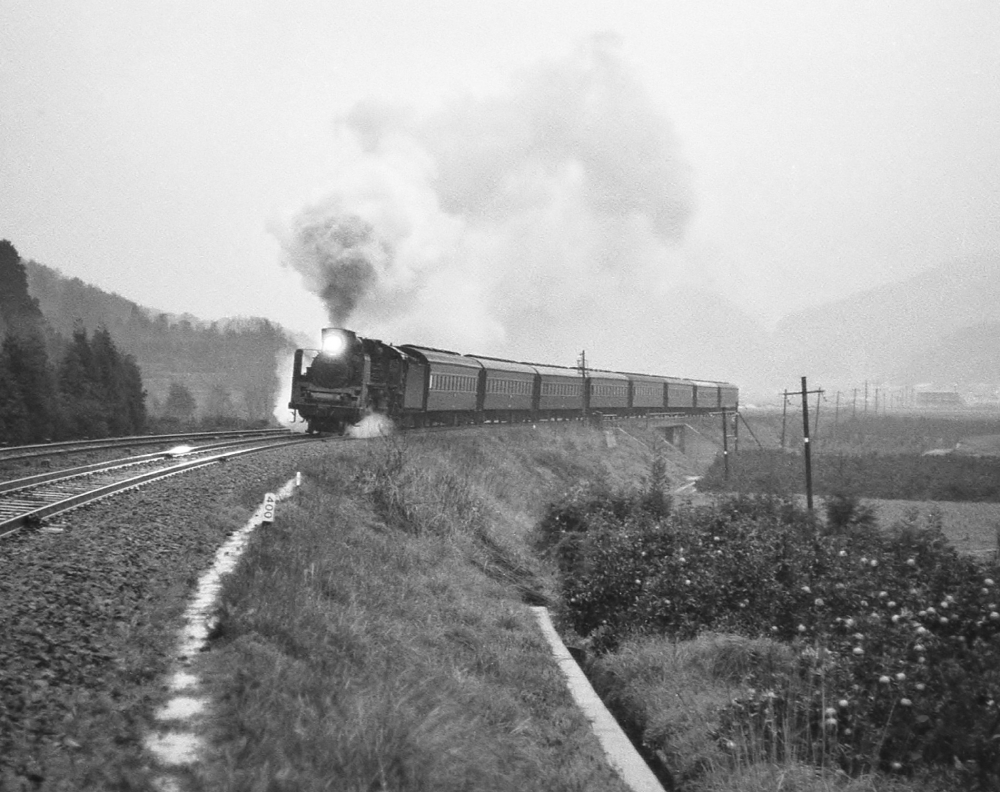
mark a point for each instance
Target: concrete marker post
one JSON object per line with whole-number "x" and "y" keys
{"x": 270, "y": 501}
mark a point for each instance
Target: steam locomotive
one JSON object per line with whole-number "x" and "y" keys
{"x": 351, "y": 377}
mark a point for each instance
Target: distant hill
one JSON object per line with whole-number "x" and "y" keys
{"x": 938, "y": 325}
{"x": 969, "y": 355}
{"x": 230, "y": 366}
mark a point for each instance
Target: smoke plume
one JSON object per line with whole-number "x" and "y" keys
{"x": 531, "y": 224}
{"x": 339, "y": 255}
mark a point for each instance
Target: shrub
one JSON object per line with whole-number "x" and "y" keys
{"x": 845, "y": 512}
{"x": 898, "y": 636}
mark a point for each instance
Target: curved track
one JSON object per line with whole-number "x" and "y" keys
{"x": 14, "y": 453}
{"x": 27, "y": 501}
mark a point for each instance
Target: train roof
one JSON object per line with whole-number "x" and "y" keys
{"x": 499, "y": 364}
{"x": 713, "y": 383}
{"x": 556, "y": 371}
{"x": 602, "y": 374}
{"x": 442, "y": 357}
{"x": 659, "y": 378}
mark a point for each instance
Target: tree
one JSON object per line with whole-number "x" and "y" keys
{"x": 220, "y": 402}
{"x": 15, "y": 424}
{"x": 180, "y": 404}
{"x": 134, "y": 403}
{"x": 19, "y": 312}
{"x": 79, "y": 388}
{"x": 107, "y": 379}
{"x": 28, "y": 410}
{"x": 31, "y": 388}
{"x": 118, "y": 382}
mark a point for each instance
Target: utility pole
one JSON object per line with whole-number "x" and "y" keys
{"x": 725, "y": 443}
{"x": 807, "y": 450}
{"x": 784, "y": 414}
{"x": 819, "y": 394}
{"x": 582, "y": 363}
{"x": 854, "y": 408}
{"x": 805, "y": 444}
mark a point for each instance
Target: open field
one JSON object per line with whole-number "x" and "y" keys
{"x": 970, "y": 527}
{"x": 863, "y": 454}
{"x": 910, "y": 432}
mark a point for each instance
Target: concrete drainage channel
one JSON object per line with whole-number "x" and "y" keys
{"x": 622, "y": 755}
{"x": 178, "y": 745}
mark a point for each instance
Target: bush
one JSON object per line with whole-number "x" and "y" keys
{"x": 898, "y": 637}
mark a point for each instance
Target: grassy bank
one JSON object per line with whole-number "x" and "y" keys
{"x": 377, "y": 636}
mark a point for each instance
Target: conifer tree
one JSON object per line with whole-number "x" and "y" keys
{"x": 29, "y": 408}
{"x": 19, "y": 312}
{"x": 133, "y": 395}
{"x": 80, "y": 389}
{"x": 180, "y": 404}
{"x": 27, "y": 364}
{"x": 15, "y": 424}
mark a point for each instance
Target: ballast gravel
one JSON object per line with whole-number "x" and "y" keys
{"x": 89, "y": 608}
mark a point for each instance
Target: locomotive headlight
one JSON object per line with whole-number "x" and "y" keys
{"x": 334, "y": 343}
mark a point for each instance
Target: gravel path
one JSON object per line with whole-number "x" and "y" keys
{"x": 88, "y": 619}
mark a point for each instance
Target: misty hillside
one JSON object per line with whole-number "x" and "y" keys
{"x": 230, "y": 367}
{"x": 973, "y": 350}
{"x": 938, "y": 325}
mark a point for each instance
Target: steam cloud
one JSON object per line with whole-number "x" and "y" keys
{"x": 534, "y": 224}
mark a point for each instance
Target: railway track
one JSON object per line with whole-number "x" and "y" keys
{"x": 28, "y": 501}
{"x": 16, "y": 453}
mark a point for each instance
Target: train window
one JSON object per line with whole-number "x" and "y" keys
{"x": 454, "y": 383}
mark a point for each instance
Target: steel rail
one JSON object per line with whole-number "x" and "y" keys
{"x": 14, "y": 524}
{"x": 10, "y": 453}
{"x": 13, "y": 485}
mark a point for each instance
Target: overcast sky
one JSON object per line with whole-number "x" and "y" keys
{"x": 797, "y": 151}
